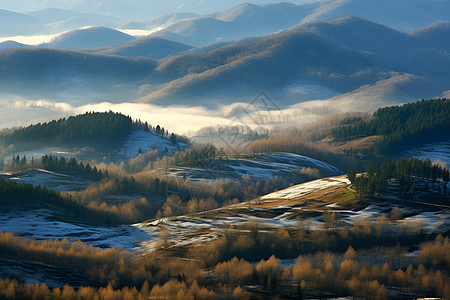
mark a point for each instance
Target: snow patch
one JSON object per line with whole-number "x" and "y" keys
{"x": 146, "y": 141}
{"x": 43, "y": 224}
{"x": 306, "y": 188}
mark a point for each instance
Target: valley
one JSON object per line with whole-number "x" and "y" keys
{"x": 224, "y": 150}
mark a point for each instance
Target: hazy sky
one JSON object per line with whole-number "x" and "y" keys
{"x": 130, "y": 9}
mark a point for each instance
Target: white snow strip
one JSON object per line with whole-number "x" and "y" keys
{"x": 306, "y": 188}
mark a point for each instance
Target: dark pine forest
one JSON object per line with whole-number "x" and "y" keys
{"x": 107, "y": 128}
{"x": 403, "y": 126}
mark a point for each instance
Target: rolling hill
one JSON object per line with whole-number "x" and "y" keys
{"x": 151, "y": 47}
{"x": 354, "y": 59}
{"x": 404, "y": 15}
{"x": 247, "y": 19}
{"x": 12, "y": 45}
{"x": 59, "y": 14}
{"x": 238, "y": 22}
{"x": 12, "y": 23}
{"x": 44, "y": 72}
{"x": 159, "y": 22}
{"x": 435, "y": 36}
{"x": 50, "y": 21}
{"x": 92, "y": 37}
{"x": 346, "y": 55}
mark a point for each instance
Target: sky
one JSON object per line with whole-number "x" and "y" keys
{"x": 137, "y": 10}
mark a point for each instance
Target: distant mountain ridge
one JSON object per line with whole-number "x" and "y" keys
{"x": 44, "y": 72}
{"x": 12, "y": 45}
{"x": 437, "y": 35}
{"x": 247, "y": 19}
{"x": 240, "y": 21}
{"x": 151, "y": 47}
{"x": 341, "y": 55}
{"x": 12, "y": 23}
{"x": 350, "y": 58}
{"x": 92, "y": 37}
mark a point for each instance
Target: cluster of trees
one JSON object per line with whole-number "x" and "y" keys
{"x": 344, "y": 272}
{"x": 402, "y": 126}
{"x": 193, "y": 196}
{"x": 75, "y": 254}
{"x": 333, "y": 236}
{"x": 328, "y": 272}
{"x": 96, "y": 128}
{"x": 18, "y": 163}
{"x": 12, "y": 289}
{"x": 175, "y": 207}
{"x": 153, "y": 185}
{"x": 192, "y": 157}
{"x": 402, "y": 172}
{"x": 72, "y": 167}
{"x": 158, "y": 130}
{"x": 14, "y": 193}
{"x": 154, "y": 160}
{"x": 147, "y": 160}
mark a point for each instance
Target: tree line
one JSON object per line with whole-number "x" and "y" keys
{"x": 69, "y": 166}
{"x": 345, "y": 272}
{"x": 403, "y": 172}
{"x": 160, "y": 131}
{"x": 402, "y": 126}
{"x": 75, "y": 254}
{"x": 14, "y": 193}
{"x": 72, "y": 167}
{"x": 97, "y": 128}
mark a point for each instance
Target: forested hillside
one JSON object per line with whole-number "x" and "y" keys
{"x": 403, "y": 174}
{"x": 402, "y": 126}
{"x": 90, "y": 128}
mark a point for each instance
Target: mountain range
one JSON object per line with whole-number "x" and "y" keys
{"x": 350, "y": 56}
{"x": 200, "y": 28}
{"x": 253, "y": 20}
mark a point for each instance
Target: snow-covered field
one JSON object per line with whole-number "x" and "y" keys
{"x": 280, "y": 209}
{"x": 55, "y": 181}
{"x": 436, "y": 152}
{"x": 289, "y": 166}
{"x": 147, "y": 141}
{"x": 437, "y": 221}
{"x": 306, "y": 188}
{"x": 44, "y": 224}
{"x": 191, "y": 230}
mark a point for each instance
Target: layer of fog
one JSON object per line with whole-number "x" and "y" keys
{"x": 38, "y": 39}
{"x": 260, "y": 112}
{"x": 32, "y": 40}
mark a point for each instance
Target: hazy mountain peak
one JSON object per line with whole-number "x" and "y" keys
{"x": 437, "y": 35}
{"x": 435, "y": 28}
{"x": 13, "y": 23}
{"x": 59, "y": 14}
{"x": 400, "y": 14}
{"x": 150, "y": 46}
{"x": 92, "y": 37}
{"x": 160, "y": 22}
{"x": 11, "y": 45}
{"x": 242, "y": 10}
